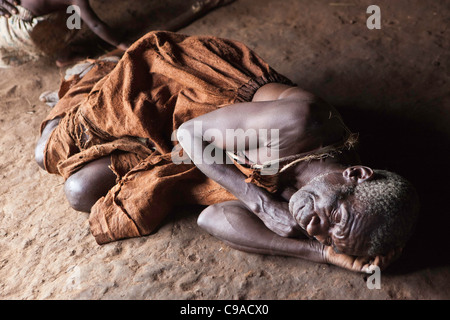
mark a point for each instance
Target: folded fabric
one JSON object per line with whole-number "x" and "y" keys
{"x": 129, "y": 112}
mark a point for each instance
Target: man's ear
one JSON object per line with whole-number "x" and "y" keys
{"x": 358, "y": 174}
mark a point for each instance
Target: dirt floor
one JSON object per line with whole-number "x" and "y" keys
{"x": 391, "y": 85}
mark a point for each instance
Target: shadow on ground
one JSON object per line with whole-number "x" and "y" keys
{"x": 133, "y": 19}
{"x": 419, "y": 153}
{"x": 411, "y": 144}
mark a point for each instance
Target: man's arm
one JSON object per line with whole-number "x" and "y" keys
{"x": 196, "y": 139}
{"x": 97, "y": 26}
{"x": 232, "y": 223}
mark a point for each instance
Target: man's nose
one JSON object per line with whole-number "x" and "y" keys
{"x": 317, "y": 227}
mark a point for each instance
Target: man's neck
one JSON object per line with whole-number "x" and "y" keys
{"x": 307, "y": 171}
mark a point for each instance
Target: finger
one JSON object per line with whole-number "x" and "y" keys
{"x": 377, "y": 261}
{"x": 371, "y": 264}
{"x": 369, "y": 268}
{"x": 361, "y": 262}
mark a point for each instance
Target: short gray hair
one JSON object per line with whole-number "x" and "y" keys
{"x": 393, "y": 202}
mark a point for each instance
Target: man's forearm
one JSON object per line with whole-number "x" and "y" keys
{"x": 234, "y": 224}
{"x": 229, "y": 177}
{"x": 275, "y": 214}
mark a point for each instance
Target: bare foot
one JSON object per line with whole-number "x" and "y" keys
{"x": 50, "y": 98}
{"x": 79, "y": 69}
{"x": 61, "y": 63}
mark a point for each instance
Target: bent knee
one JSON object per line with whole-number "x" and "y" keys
{"x": 215, "y": 217}
{"x": 42, "y": 142}
{"x": 89, "y": 184}
{"x": 77, "y": 193}
{"x": 207, "y": 217}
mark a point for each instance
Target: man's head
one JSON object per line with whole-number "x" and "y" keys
{"x": 357, "y": 211}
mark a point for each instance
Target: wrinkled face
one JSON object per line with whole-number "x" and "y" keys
{"x": 324, "y": 208}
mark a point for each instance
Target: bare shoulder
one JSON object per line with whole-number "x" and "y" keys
{"x": 298, "y": 113}
{"x": 293, "y": 104}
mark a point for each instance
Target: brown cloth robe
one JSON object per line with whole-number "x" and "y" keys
{"x": 130, "y": 111}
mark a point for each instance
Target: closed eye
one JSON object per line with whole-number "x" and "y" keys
{"x": 341, "y": 229}
{"x": 336, "y": 216}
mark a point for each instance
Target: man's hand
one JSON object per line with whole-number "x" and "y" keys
{"x": 353, "y": 263}
{"x": 8, "y": 7}
{"x": 123, "y": 46}
{"x": 277, "y": 217}
{"x": 360, "y": 264}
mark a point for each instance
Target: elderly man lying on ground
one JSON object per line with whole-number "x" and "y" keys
{"x": 275, "y": 165}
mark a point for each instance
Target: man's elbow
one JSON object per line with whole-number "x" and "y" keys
{"x": 185, "y": 136}
{"x": 207, "y": 220}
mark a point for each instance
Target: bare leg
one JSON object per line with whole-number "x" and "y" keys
{"x": 89, "y": 184}
{"x": 40, "y": 146}
{"x": 50, "y": 98}
{"x": 235, "y": 225}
